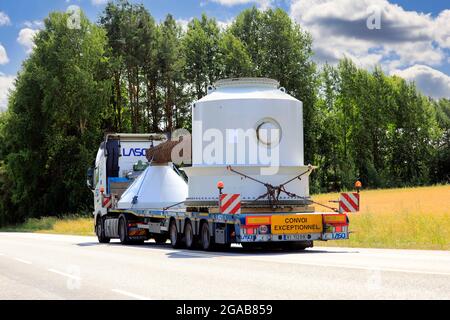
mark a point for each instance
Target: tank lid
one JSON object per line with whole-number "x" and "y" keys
{"x": 247, "y": 82}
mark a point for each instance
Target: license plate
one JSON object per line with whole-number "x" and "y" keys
{"x": 297, "y": 223}
{"x": 295, "y": 237}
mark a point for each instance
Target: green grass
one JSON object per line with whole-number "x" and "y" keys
{"x": 71, "y": 225}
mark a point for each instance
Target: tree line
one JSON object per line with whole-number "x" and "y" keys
{"x": 130, "y": 73}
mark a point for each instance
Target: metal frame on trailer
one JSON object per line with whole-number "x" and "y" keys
{"x": 223, "y": 222}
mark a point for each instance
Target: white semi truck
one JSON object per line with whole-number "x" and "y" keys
{"x": 232, "y": 195}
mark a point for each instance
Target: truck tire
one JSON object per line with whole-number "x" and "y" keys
{"x": 100, "y": 231}
{"x": 189, "y": 236}
{"x": 175, "y": 238}
{"x": 123, "y": 230}
{"x": 205, "y": 237}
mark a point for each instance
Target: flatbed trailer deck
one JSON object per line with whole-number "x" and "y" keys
{"x": 193, "y": 229}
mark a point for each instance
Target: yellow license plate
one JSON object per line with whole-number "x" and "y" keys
{"x": 297, "y": 223}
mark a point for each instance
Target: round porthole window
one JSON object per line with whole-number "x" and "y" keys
{"x": 268, "y": 132}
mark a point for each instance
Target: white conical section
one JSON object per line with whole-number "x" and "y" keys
{"x": 156, "y": 188}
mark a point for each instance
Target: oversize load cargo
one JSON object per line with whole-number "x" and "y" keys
{"x": 297, "y": 223}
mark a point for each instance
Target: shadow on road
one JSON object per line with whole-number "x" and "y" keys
{"x": 235, "y": 250}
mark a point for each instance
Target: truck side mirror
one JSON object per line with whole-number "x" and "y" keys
{"x": 90, "y": 178}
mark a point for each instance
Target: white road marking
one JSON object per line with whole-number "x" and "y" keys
{"x": 129, "y": 294}
{"x": 23, "y": 261}
{"x": 64, "y": 274}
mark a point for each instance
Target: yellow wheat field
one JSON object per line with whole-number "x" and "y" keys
{"x": 82, "y": 226}
{"x": 410, "y": 218}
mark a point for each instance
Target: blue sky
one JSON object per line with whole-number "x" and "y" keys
{"x": 413, "y": 39}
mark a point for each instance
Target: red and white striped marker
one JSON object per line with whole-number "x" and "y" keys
{"x": 106, "y": 203}
{"x": 349, "y": 202}
{"x": 230, "y": 203}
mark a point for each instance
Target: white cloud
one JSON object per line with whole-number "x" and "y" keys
{"x": 4, "y": 19}
{"x": 6, "y": 84}
{"x": 184, "y": 23}
{"x": 26, "y": 38}
{"x": 35, "y": 24}
{"x": 98, "y": 2}
{"x": 221, "y": 24}
{"x": 442, "y": 28}
{"x": 225, "y": 24}
{"x": 262, "y": 4}
{"x": 430, "y": 81}
{"x": 339, "y": 28}
{"x": 3, "y": 55}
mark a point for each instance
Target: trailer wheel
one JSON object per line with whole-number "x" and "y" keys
{"x": 123, "y": 230}
{"x": 100, "y": 231}
{"x": 175, "y": 238}
{"x": 205, "y": 237}
{"x": 189, "y": 235}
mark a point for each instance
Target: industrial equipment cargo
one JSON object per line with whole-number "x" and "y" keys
{"x": 246, "y": 181}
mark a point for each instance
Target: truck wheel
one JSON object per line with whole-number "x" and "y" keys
{"x": 123, "y": 230}
{"x": 175, "y": 238}
{"x": 100, "y": 231}
{"x": 189, "y": 235}
{"x": 205, "y": 237}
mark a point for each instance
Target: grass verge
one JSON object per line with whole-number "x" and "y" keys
{"x": 71, "y": 225}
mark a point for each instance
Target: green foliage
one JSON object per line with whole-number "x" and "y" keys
{"x": 376, "y": 128}
{"x": 53, "y": 122}
{"x": 201, "y": 53}
{"x": 441, "y": 167}
{"x": 235, "y": 59}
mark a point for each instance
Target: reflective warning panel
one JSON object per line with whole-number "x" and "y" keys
{"x": 349, "y": 202}
{"x": 297, "y": 223}
{"x": 230, "y": 203}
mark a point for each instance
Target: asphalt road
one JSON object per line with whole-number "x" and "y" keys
{"x": 38, "y": 266}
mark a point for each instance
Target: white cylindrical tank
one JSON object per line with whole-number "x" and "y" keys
{"x": 254, "y": 126}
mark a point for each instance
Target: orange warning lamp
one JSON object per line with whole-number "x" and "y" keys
{"x": 358, "y": 185}
{"x": 102, "y": 189}
{"x": 220, "y": 185}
